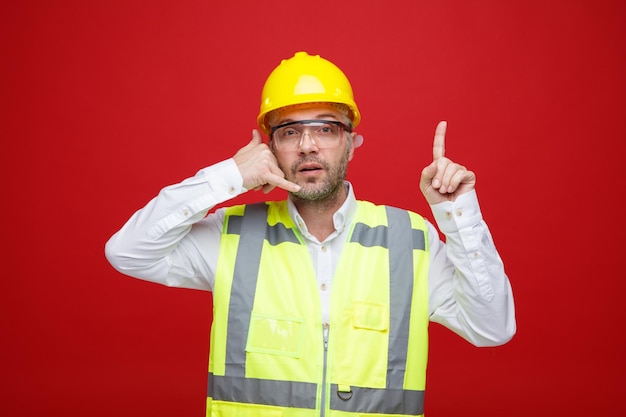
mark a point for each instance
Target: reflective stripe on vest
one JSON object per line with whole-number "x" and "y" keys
{"x": 233, "y": 386}
{"x": 262, "y": 391}
{"x": 302, "y": 395}
{"x": 401, "y": 263}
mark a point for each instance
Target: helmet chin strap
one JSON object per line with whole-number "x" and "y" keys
{"x": 358, "y": 141}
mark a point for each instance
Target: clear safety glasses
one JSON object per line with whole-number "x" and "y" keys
{"x": 323, "y": 133}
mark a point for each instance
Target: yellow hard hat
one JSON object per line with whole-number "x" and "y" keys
{"x": 306, "y": 78}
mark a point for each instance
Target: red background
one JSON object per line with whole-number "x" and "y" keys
{"x": 103, "y": 103}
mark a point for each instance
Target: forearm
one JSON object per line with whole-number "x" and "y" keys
{"x": 146, "y": 245}
{"x": 470, "y": 291}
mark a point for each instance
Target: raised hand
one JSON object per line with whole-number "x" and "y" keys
{"x": 259, "y": 168}
{"x": 444, "y": 180}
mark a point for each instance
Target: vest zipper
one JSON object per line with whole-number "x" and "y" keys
{"x": 323, "y": 403}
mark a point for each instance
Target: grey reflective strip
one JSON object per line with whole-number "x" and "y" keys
{"x": 244, "y": 280}
{"x": 279, "y": 233}
{"x": 234, "y": 225}
{"x": 275, "y": 235}
{"x": 419, "y": 240}
{"x": 377, "y": 236}
{"x": 262, "y": 391}
{"x": 400, "y": 293}
{"x": 386, "y": 401}
{"x": 369, "y": 236}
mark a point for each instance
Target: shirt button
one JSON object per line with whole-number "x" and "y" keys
{"x": 476, "y": 255}
{"x": 324, "y": 248}
{"x": 459, "y": 212}
{"x": 231, "y": 190}
{"x": 325, "y": 326}
{"x": 448, "y": 215}
{"x": 323, "y": 286}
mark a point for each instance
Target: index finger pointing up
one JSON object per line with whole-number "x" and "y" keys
{"x": 439, "y": 144}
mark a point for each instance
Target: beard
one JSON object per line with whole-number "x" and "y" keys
{"x": 329, "y": 188}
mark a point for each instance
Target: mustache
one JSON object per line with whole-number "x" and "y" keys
{"x": 308, "y": 160}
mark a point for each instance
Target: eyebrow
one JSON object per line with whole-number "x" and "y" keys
{"x": 318, "y": 116}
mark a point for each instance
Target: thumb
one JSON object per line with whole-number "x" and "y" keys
{"x": 256, "y": 137}
{"x": 428, "y": 174}
{"x": 430, "y": 171}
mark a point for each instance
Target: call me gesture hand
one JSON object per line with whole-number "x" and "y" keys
{"x": 444, "y": 180}
{"x": 259, "y": 168}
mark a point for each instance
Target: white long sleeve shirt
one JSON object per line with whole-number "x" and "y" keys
{"x": 172, "y": 241}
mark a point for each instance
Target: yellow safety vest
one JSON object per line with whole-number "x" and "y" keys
{"x": 268, "y": 355}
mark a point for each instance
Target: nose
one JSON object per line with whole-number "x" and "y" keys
{"x": 307, "y": 145}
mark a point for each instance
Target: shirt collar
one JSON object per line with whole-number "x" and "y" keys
{"x": 341, "y": 219}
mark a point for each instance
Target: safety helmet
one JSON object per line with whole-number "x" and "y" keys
{"x": 306, "y": 78}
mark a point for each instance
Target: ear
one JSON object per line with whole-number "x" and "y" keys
{"x": 358, "y": 141}
{"x": 353, "y": 138}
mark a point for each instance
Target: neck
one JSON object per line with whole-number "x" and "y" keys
{"x": 318, "y": 214}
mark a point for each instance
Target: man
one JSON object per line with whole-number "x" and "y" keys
{"x": 281, "y": 344}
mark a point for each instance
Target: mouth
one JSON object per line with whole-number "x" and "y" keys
{"x": 310, "y": 168}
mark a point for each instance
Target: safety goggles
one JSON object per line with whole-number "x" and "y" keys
{"x": 323, "y": 133}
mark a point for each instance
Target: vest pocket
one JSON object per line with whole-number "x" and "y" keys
{"x": 275, "y": 335}
{"x": 370, "y": 316}
{"x": 359, "y": 345}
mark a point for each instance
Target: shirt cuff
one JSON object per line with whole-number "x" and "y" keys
{"x": 224, "y": 180}
{"x": 463, "y": 213}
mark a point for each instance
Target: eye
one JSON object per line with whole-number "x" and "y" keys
{"x": 327, "y": 129}
{"x": 289, "y": 132}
